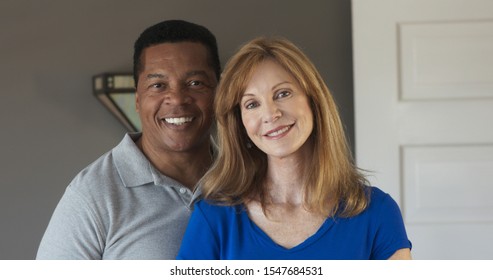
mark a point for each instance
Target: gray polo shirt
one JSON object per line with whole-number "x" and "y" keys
{"x": 119, "y": 207}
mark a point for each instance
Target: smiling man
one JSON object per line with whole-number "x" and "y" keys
{"x": 135, "y": 201}
{"x": 174, "y": 102}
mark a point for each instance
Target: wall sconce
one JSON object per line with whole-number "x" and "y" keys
{"x": 117, "y": 93}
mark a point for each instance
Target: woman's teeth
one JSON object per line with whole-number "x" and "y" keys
{"x": 277, "y": 132}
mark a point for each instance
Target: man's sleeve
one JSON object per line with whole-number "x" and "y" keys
{"x": 74, "y": 231}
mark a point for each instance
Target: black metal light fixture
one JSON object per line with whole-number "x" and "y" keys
{"x": 117, "y": 93}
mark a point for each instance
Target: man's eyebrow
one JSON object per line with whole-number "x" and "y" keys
{"x": 154, "y": 76}
{"x": 196, "y": 72}
{"x": 188, "y": 74}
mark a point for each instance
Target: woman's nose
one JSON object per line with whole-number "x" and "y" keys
{"x": 271, "y": 112}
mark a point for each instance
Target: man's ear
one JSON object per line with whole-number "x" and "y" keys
{"x": 137, "y": 101}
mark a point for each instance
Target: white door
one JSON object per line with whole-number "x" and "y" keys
{"x": 423, "y": 73}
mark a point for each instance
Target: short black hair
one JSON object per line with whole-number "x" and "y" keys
{"x": 176, "y": 31}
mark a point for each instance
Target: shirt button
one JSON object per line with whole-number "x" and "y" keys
{"x": 183, "y": 190}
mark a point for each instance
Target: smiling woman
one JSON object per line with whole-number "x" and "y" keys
{"x": 284, "y": 185}
{"x": 276, "y": 113}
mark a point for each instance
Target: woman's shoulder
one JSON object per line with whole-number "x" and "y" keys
{"x": 377, "y": 194}
{"x": 380, "y": 199}
{"x": 212, "y": 207}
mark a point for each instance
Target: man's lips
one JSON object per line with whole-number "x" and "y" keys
{"x": 178, "y": 120}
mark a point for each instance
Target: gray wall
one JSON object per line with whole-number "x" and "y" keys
{"x": 52, "y": 126}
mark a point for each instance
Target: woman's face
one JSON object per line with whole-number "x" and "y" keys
{"x": 275, "y": 111}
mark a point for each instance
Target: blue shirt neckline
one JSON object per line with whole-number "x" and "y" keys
{"x": 263, "y": 237}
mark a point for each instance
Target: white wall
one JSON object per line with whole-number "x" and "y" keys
{"x": 52, "y": 126}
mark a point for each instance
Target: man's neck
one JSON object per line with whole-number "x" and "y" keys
{"x": 186, "y": 167}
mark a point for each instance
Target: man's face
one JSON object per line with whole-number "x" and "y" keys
{"x": 174, "y": 96}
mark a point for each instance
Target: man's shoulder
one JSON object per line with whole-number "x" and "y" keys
{"x": 100, "y": 172}
{"x": 106, "y": 168}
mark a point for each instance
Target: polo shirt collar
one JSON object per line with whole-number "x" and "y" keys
{"x": 133, "y": 167}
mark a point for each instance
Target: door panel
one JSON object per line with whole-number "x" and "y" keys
{"x": 423, "y": 72}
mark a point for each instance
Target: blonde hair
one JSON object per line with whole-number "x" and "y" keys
{"x": 334, "y": 186}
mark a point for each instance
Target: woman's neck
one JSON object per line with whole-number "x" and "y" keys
{"x": 285, "y": 177}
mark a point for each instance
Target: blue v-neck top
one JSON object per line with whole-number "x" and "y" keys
{"x": 227, "y": 232}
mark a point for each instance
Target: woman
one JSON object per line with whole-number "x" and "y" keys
{"x": 284, "y": 185}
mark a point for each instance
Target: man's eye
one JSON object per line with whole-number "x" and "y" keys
{"x": 195, "y": 83}
{"x": 157, "y": 85}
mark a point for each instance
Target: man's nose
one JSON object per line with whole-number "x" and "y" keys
{"x": 178, "y": 96}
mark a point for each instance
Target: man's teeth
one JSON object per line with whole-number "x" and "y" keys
{"x": 178, "y": 121}
{"x": 280, "y": 131}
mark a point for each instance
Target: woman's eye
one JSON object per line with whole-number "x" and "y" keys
{"x": 283, "y": 94}
{"x": 251, "y": 105}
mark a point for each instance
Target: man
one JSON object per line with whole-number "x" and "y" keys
{"x": 134, "y": 201}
